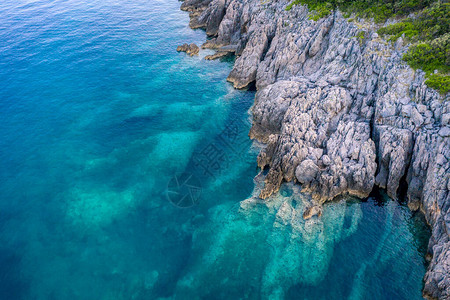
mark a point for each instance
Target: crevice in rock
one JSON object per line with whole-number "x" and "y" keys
{"x": 266, "y": 49}
{"x": 403, "y": 189}
{"x": 372, "y": 136}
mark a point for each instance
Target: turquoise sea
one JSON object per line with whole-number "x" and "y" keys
{"x": 124, "y": 164}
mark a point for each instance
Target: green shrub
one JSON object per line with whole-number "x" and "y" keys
{"x": 361, "y": 35}
{"x": 397, "y": 30}
{"x": 439, "y": 82}
{"x": 429, "y": 33}
{"x": 430, "y": 23}
{"x": 319, "y": 9}
{"x": 430, "y": 55}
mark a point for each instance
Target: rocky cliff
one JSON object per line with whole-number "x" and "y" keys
{"x": 339, "y": 111}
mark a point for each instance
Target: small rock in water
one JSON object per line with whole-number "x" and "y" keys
{"x": 183, "y": 48}
{"x": 191, "y": 49}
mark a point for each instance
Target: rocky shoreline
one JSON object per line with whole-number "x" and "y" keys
{"x": 339, "y": 111}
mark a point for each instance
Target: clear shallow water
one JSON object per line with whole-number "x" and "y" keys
{"x": 99, "y": 113}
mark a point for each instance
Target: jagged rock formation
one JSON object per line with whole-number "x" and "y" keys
{"x": 191, "y": 49}
{"x": 317, "y": 143}
{"x": 339, "y": 114}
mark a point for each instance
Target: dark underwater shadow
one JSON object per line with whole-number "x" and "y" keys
{"x": 12, "y": 286}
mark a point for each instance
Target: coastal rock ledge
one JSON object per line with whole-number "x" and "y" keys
{"x": 338, "y": 114}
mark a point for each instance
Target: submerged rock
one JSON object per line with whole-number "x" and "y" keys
{"x": 269, "y": 245}
{"x": 337, "y": 115}
{"x": 312, "y": 211}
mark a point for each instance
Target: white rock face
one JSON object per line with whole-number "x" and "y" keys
{"x": 337, "y": 114}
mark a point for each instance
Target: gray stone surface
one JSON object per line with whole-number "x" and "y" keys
{"x": 338, "y": 115}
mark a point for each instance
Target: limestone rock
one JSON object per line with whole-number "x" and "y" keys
{"x": 191, "y": 49}
{"x": 307, "y": 171}
{"x": 394, "y": 152}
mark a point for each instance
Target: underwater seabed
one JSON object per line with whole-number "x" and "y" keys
{"x": 259, "y": 249}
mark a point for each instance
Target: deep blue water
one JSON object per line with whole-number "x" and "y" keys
{"x": 101, "y": 117}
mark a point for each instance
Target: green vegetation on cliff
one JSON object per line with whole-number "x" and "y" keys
{"x": 380, "y": 10}
{"x": 429, "y": 33}
{"x": 426, "y": 25}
